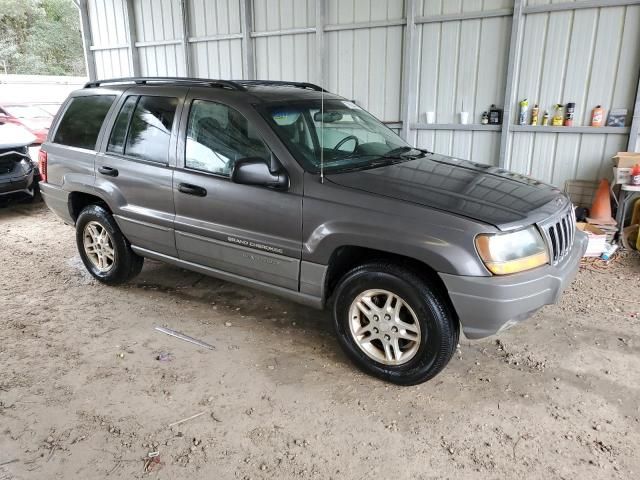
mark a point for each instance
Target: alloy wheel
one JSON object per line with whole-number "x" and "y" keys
{"x": 98, "y": 246}
{"x": 384, "y": 327}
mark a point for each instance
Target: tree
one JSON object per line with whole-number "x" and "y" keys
{"x": 41, "y": 37}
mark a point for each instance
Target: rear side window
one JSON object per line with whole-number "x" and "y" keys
{"x": 81, "y": 122}
{"x": 119, "y": 132}
{"x": 145, "y": 132}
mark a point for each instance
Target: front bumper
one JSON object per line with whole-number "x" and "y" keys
{"x": 486, "y": 305}
{"x": 10, "y": 185}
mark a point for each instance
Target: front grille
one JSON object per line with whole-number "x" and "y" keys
{"x": 559, "y": 233}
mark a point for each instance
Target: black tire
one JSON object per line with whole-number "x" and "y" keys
{"x": 35, "y": 194}
{"x": 428, "y": 301}
{"x": 126, "y": 263}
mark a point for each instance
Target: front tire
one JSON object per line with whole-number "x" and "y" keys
{"x": 105, "y": 252}
{"x": 394, "y": 323}
{"x": 34, "y": 196}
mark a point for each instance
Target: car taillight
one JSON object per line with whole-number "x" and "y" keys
{"x": 42, "y": 164}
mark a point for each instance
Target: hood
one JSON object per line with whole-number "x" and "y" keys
{"x": 13, "y": 136}
{"x": 481, "y": 192}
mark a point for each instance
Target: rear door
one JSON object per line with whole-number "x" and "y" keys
{"x": 135, "y": 166}
{"x": 250, "y": 231}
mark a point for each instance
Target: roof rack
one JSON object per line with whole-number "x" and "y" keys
{"x": 182, "y": 80}
{"x": 280, "y": 83}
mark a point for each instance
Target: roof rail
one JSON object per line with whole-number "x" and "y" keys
{"x": 282, "y": 83}
{"x": 182, "y": 80}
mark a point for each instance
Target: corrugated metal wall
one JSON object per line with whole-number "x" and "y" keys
{"x": 460, "y": 53}
{"x": 590, "y": 57}
{"x": 109, "y": 37}
{"x": 286, "y": 55}
{"x": 462, "y": 67}
{"x": 215, "y": 42}
{"x": 158, "y": 37}
{"x": 365, "y": 64}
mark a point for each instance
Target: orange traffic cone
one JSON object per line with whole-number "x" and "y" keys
{"x": 601, "y": 209}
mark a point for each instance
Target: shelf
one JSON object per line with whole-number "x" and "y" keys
{"x": 552, "y": 129}
{"x": 456, "y": 126}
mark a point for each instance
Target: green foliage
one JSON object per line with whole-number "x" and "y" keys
{"x": 41, "y": 37}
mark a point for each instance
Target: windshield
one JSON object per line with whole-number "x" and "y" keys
{"x": 347, "y": 137}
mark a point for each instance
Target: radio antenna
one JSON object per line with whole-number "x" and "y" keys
{"x": 321, "y": 136}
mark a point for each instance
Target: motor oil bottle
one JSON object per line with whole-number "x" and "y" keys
{"x": 524, "y": 109}
{"x": 597, "y": 116}
{"x": 545, "y": 119}
{"x": 635, "y": 175}
{"x": 495, "y": 115}
{"x": 569, "y": 113}
{"x": 557, "y": 116}
{"x": 535, "y": 111}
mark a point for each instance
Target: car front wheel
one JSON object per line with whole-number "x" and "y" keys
{"x": 394, "y": 323}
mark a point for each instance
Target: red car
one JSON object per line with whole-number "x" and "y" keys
{"x": 34, "y": 118}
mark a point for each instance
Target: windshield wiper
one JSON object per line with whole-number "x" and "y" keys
{"x": 403, "y": 153}
{"x": 393, "y": 156}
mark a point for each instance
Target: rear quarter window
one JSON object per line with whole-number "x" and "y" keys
{"x": 81, "y": 121}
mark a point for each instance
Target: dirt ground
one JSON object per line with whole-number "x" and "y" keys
{"x": 84, "y": 395}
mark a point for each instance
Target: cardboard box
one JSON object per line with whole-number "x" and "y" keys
{"x": 621, "y": 175}
{"x": 597, "y": 239}
{"x": 626, "y": 159}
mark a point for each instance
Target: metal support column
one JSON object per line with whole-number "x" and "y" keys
{"x": 634, "y": 142}
{"x": 409, "y": 83}
{"x": 246, "y": 20}
{"x": 186, "y": 32}
{"x": 322, "y": 73}
{"x": 89, "y": 56}
{"x": 134, "y": 57}
{"x": 512, "y": 69}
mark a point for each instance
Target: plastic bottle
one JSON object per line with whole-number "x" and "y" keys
{"x": 524, "y": 108}
{"x": 495, "y": 115}
{"x": 557, "y": 116}
{"x": 597, "y": 116}
{"x": 534, "y": 115}
{"x": 568, "y": 114}
{"x": 545, "y": 119}
{"x": 635, "y": 176}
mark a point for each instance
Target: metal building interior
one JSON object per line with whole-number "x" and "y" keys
{"x": 400, "y": 59}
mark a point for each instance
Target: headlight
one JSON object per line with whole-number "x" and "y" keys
{"x": 512, "y": 252}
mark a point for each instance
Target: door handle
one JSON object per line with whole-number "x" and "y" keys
{"x": 192, "y": 190}
{"x": 108, "y": 171}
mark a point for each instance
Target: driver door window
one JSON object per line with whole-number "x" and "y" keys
{"x": 217, "y": 136}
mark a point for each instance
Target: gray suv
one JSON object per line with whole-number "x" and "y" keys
{"x": 287, "y": 188}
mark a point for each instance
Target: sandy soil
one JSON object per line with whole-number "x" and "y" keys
{"x": 83, "y": 394}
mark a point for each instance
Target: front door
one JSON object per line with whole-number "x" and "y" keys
{"x": 245, "y": 230}
{"x": 135, "y": 169}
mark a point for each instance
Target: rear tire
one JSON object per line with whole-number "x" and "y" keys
{"x": 105, "y": 252}
{"x": 394, "y": 323}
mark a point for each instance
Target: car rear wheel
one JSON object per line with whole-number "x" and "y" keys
{"x": 105, "y": 252}
{"x": 394, "y": 323}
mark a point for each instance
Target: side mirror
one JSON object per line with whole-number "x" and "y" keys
{"x": 255, "y": 171}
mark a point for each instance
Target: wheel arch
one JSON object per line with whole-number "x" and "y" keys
{"x": 78, "y": 200}
{"x": 346, "y": 257}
